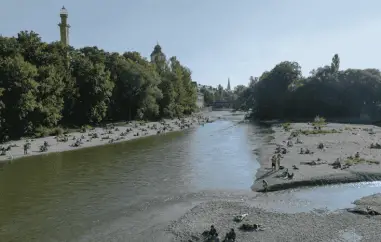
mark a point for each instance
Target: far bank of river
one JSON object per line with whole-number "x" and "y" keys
{"x": 98, "y": 136}
{"x": 165, "y": 188}
{"x": 333, "y": 153}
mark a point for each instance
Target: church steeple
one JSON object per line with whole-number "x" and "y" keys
{"x": 157, "y": 54}
{"x": 228, "y": 87}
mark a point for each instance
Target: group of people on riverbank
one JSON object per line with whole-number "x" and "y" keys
{"x": 329, "y": 151}
{"x": 98, "y": 136}
{"x": 212, "y": 235}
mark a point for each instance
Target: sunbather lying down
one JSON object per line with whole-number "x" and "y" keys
{"x": 251, "y": 227}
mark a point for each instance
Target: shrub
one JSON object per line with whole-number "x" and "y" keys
{"x": 286, "y": 126}
{"x": 44, "y": 131}
{"x": 41, "y": 132}
{"x": 319, "y": 121}
{"x": 84, "y": 128}
{"x": 353, "y": 161}
{"x": 321, "y": 131}
{"x": 58, "y": 131}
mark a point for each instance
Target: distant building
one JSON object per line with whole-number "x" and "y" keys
{"x": 157, "y": 55}
{"x": 208, "y": 88}
{"x": 200, "y": 100}
{"x": 64, "y": 27}
{"x": 200, "y": 96}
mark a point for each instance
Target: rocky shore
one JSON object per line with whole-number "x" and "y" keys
{"x": 319, "y": 154}
{"x": 97, "y": 136}
{"x": 184, "y": 218}
{"x": 312, "y": 226}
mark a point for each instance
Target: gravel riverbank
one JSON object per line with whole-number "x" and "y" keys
{"x": 184, "y": 218}
{"x": 100, "y": 136}
{"x": 331, "y": 143}
{"x": 339, "y": 226}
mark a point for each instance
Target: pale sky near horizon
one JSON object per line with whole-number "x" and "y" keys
{"x": 216, "y": 39}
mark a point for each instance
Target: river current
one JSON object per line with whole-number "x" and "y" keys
{"x": 67, "y": 196}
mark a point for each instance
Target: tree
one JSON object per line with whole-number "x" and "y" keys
{"x": 208, "y": 96}
{"x": 283, "y": 93}
{"x": 45, "y": 85}
{"x": 19, "y": 96}
{"x": 94, "y": 87}
{"x": 335, "y": 65}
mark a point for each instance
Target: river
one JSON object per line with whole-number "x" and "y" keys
{"x": 116, "y": 189}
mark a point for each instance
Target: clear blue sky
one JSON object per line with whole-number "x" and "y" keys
{"x": 216, "y": 39}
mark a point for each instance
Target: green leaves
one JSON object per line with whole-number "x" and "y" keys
{"x": 95, "y": 88}
{"x": 20, "y": 89}
{"x": 43, "y": 85}
{"x": 283, "y": 93}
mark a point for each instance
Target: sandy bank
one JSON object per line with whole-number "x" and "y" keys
{"x": 340, "y": 226}
{"x": 185, "y": 217}
{"x": 101, "y": 136}
{"x": 369, "y": 205}
{"x": 348, "y": 140}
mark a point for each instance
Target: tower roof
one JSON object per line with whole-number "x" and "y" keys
{"x": 156, "y": 50}
{"x": 63, "y": 11}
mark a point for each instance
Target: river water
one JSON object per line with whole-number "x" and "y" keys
{"x": 89, "y": 193}
{"x": 58, "y": 197}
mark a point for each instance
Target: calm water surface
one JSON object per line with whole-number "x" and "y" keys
{"x": 323, "y": 198}
{"x": 58, "y": 197}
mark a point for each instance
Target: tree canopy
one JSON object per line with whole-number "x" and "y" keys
{"x": 45, "y": 85}
{"x": 283, "y": 93}
{"x": 212, "y": 94}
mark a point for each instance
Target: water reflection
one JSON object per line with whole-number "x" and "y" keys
{"x": 222, "y": 157}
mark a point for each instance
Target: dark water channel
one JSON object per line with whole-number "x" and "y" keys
{"x": 74, "y": 196}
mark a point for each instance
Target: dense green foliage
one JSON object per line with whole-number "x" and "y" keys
{"x": 45, "y": 85}
{"x": 283, "y": 93}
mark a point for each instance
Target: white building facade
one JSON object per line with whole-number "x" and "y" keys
{"x": 200, "y": 100}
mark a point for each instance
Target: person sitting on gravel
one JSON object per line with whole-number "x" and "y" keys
{"x": 216, "y": 238}
{"x": 231, "y": 236}
{"x": 212, "y": 231}
{"x": 336, "y": 164}
{"x": 285, "y": 173}
{"x": 357, "y": 155}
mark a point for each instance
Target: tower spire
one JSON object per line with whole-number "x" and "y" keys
{"x": 228, "y": 87}
{"x": 64, "y": 26}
